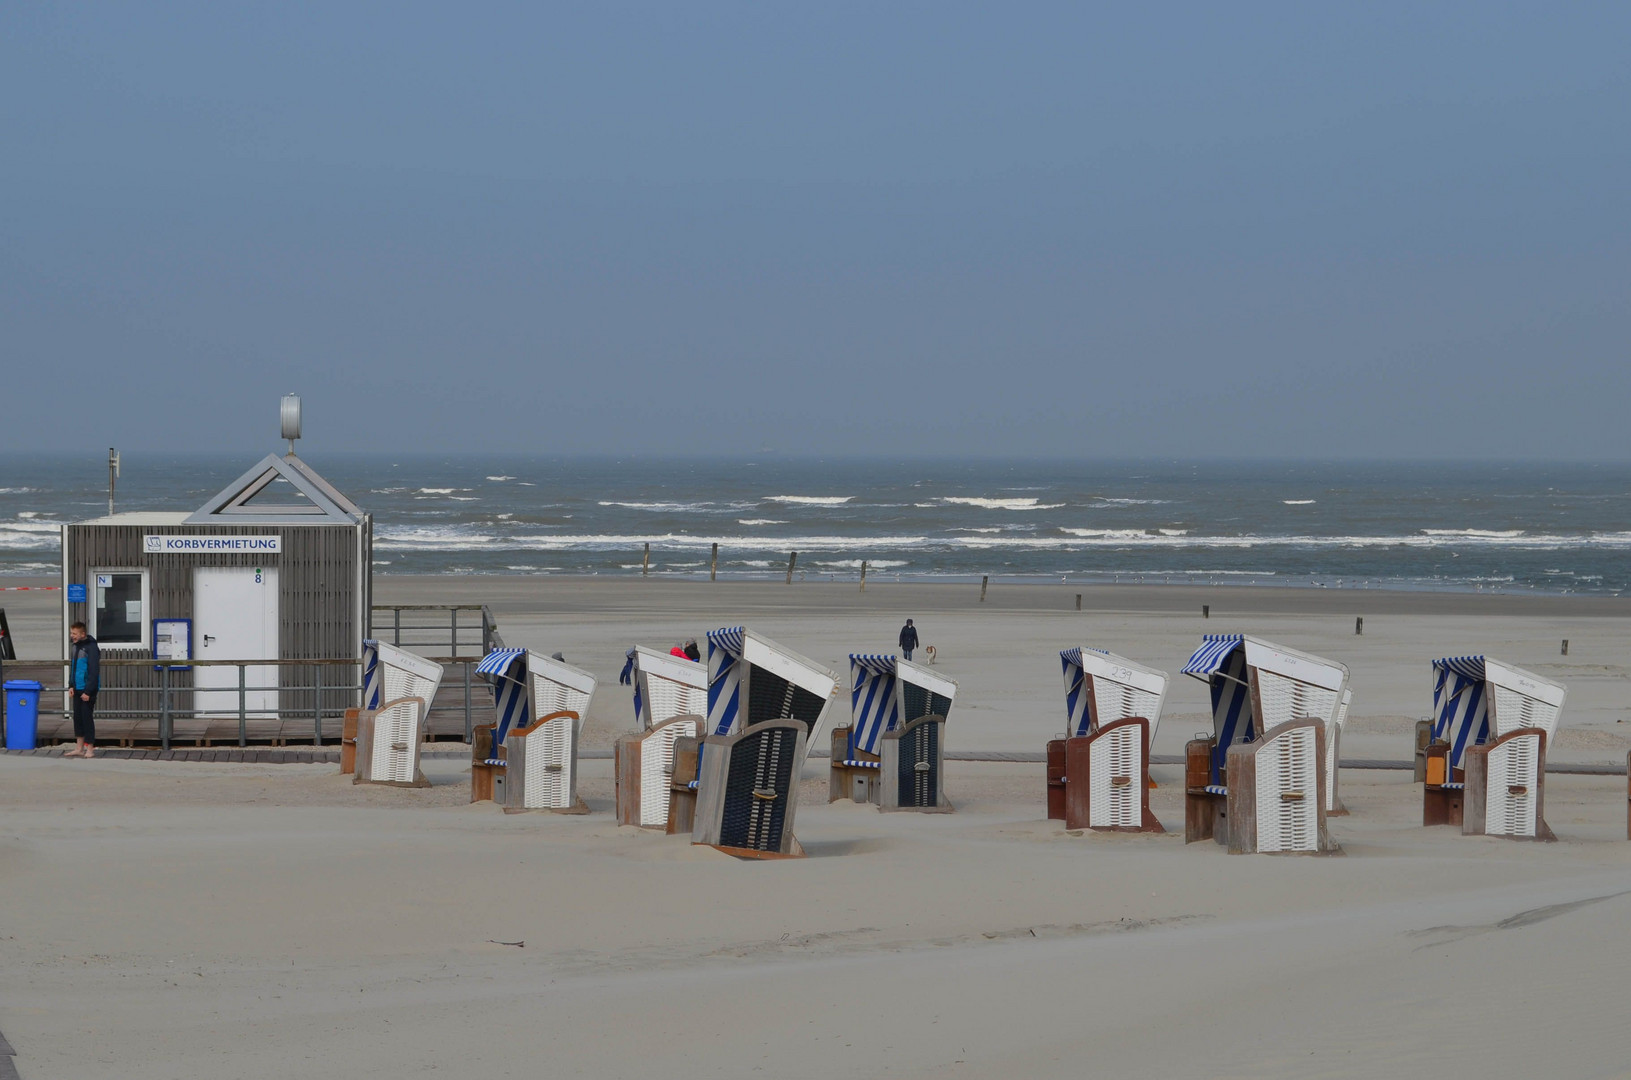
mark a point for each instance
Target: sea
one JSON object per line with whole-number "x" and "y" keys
{"x": 1507, "y": 528}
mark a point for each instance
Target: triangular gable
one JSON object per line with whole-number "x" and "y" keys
{"x": 234, "y": 502}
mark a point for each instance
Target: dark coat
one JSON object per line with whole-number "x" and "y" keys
{"x": 92, "y": 652}
{"x": 908, "y": 637}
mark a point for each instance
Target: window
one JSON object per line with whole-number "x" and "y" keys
{"x": 119, "y": 608}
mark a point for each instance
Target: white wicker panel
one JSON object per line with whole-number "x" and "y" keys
{"x": 1288, "y": 791}
{"x": 396, "y": 733}
{"x": 1512, "y": 765}
{"x": 550, "y": 765}
{"x": 1116, "y": 771}
{"x": 1286, "y": 699}
{"x": 1514, "y": 710}
{"x": 656, "y": 767}
{"x": 1118, "y": 701}
{"x": 670, "y": 699}
{"x": 401, "y": 683}
{"x": 549, "y": 696}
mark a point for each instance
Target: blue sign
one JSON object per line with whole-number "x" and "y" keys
{"x": 76, "y": 594}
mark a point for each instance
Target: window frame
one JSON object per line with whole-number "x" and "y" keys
{"x": 146, "y": 642}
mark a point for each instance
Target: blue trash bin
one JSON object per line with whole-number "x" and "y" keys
{"x": 22, "y": 713}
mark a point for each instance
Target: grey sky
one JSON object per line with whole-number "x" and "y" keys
{"x": 1334, "y": 230}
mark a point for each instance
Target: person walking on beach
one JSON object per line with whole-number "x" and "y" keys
{"x": 908, "y": 640}
{"x": 85, "y": 668}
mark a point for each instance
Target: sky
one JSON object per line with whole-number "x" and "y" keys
{"x": 1074, "y": 230}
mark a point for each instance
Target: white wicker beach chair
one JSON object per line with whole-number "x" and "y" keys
{"x": 1112, "y": 709}
{"x": 1263, "y": 695}
{"x": 670, "y": 698}
{"x": 398, "y": 690}
{"x": 765, "y": 704}
{"x": 532, "y": 761}
{"x": 1486, "y": 767}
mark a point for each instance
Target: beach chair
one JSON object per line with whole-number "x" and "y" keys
{"x": 528, "y": 760}
{"x": 398, "y": 689}
{"x": 1258, "y": 784}
{"x": 893, "y": 751}
{"x": 670, "y": 698}
{"x": 765, "y": 704}
{"x": 1099, "y": 773}
{"x": 1486, "y": 765}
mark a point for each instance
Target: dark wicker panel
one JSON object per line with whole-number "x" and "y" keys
{"x": 758, "y": 785}
{"x": 919, "y": 766}
{"x": 771, "y": 697}
{"x": 919, "y": 702}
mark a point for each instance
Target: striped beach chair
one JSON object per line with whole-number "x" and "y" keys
{"x": 765, "y": 704}
{"x": 528, "y": 760}
{"x": 1486, "y": 765}
{"x": 670, "y": 698}
{"x": 398, "y": 689}
{"x": 893, "y": 751}
{"x": 1099, "y": 773}
{"x": 1258, "y": 784}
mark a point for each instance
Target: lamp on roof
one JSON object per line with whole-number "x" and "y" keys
{"x": 290, "y": 415}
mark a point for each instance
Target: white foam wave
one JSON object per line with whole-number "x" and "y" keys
{"x": 500, "y": 479}
{"x": 810, "y": 500}
{"x": 16, "y": 490}
{"x": 1479, "y": 534}
{"x": 760, "y": 521}
{"x": 681, "y": 507}
{"x": 29, "y": 535}
{"x": 1173, "y": 532}
{"x": 440, "y": 491}
{"x": 1298, "y": 502}
{"x": 1102, "y": 501}
{"x": 1000, "y": 504}
{"x": 855, "y": 564}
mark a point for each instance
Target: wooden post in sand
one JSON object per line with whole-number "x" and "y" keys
{"x": 645, "y": 566}
{"x": 1078, "y": 601}
{"x": 713, "y": 565}
{"x": 1206, "y": 611}
{"x": 1359, "y": 625}
{"x": 985, "y": 579}
{"x": 863, "y": 575}
{"x": 792, "y": 561}
{"x": 1565, "y": 646}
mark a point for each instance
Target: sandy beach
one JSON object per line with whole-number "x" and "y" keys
{"x": 192, "y": 920}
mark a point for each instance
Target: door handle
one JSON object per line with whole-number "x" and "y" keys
{"x": 209, "y": 639}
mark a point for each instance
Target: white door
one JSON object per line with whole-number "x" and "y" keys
{"x": 235, "y": 617}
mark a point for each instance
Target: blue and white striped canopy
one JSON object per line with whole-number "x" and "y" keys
{"x": 874, "y": 705}
{"x": 1213, "y": 653}
{"x": 1078, "y": 710}
{"x": 725, "y": 668}
{"x": 373, "y": 682}
{"x": 1460, "y": 705}
{"x": 508, "y": 668}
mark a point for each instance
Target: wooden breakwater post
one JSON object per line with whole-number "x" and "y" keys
{"x": 713, "y": 565}
{"x": 1206, "y": 611}
{"x": 1565, "y": 647}
{"x": 645, "y": 564}
{"x": 985, "y": 579}
{"x": 1078, "y": 601}
{"x": 1359, "y": 625}
{"x": 863, "y": 575}
{"x": 792, "y": 561}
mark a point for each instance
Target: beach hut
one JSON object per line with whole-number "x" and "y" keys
{"x": 528, "y": 759}
{"x": 670, "y": 699}
{"x": 765, "y": 704}
{"x": 1258, "y": 783}
{"x": 893, "y": 751}
{"x": 1099, "y": 773}
{"x": 398, "y": 688}
{"x": 1486, "y": 766}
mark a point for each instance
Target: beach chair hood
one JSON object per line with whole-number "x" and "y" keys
{"x": 1101, "y": 688}
{"x": 527, "y": 685}
{"x": 751, "y": 679}
{"x": 666, "y": 686}
{"x": 1290, "y": 684}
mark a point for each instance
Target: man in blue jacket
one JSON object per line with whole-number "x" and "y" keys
{"x": 908, "y": 640}
{"x": 85, "y": 676}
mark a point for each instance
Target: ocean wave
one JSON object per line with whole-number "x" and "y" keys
{"x": 1101, "y": 500}
{"x": 29, "y": 536}
{"x": 440, "y": 491}
{"x": 457, "y": 538}
{"x": 1298, "y": 502}
{"x": 1173, "y": 532}
{"x": 761, "y": 521}
{"x": 682, "y": 507}
{"x": 999, "y": 504}
{"x": 500, "y": 479}
{"x": 1112, "y": 534}
{"x": 810, "y": 500}
{"x": 1478, "y": 534}
{"x": 16, "y": 491}
{"x": 855, "y": 564}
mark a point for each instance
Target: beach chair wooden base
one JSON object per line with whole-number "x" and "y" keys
{"x": 369, "y": 764}
{"x": 1056, "y": 779}
{"x": 1442, "y": 793}
{"x": 348, "y": 743}
{"x": 682, "y": 797}
{"x": 1206, "y": 805}
{"x": 797, "y": 852}
{"x": 747, "y": 791}
{"x": 486, "y": 778}
{"x": 1506, "y": 787}
{"x": 1107, "y": 779}
{"x": 912, "y": 767}
{"x": 541, "y": 764}
{"x": 853, "y": 774}
{"x": 643, "y": 765}
{"x": 1276, "y": 792}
